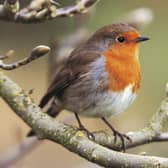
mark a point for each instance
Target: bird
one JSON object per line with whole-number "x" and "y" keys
{"x": 100, "y": 78}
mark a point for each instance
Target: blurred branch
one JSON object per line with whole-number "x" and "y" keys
{"x": 36, "y": 53}
{"x": 139, "y": 18}
{"x": 40, "y": 10}
{"x": 7, "y": 55}
{"x": 74, "y": 140}
{"x": 12, "y": 156}
{"x": 24, "y": 147}
{"x": 8, "y": 9}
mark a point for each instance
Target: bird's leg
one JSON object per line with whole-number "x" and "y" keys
{"x": 117, "y": 133}
{"x": 82, "y": 128}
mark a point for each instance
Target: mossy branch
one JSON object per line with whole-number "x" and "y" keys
{"x": 75, "y": 141}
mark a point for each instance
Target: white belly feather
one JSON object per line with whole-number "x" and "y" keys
{"x": 111, "y": 103}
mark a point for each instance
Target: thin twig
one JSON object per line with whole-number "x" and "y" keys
{"x": 36, "y": 53}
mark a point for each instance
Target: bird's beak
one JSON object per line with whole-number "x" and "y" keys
{"x": 141, "y": 39}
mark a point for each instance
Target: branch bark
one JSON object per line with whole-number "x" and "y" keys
{"x": 74, "y": 140}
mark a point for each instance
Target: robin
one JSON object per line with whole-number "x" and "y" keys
{"x": 100, "y": 78}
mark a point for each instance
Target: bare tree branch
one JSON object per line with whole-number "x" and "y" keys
{"x": 74, "y": 140}
{"x": 40, "y": 10}
{"x": 28, "y": 144}
{"x": 36, "y": 53}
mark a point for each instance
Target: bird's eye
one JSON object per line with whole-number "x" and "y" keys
{"x": 121, "y": 39}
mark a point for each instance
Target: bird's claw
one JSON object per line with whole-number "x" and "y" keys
{"x": 122, "y": 138}
{"x": 89, "y": 134}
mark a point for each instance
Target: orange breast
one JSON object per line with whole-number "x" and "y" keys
{"x": 123, "y": 66}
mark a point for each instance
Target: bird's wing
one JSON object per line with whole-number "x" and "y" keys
{"x": 62, "y": 80}
{"x": 70, "y": 72}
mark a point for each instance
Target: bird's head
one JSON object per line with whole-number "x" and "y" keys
{"x": 121, "y": 40}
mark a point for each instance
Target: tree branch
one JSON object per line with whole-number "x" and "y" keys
{"x": 40, "y": 10}
{"x": 74, "y": 140}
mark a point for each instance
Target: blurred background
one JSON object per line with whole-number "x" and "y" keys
{"x": 23, "y": 37}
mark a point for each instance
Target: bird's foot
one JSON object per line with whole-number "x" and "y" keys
{"x": 89, "y": 134}
{"x": 122, "y": 137}
{"x": 82, "y": 128}
{"x": 118, "y": 134}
